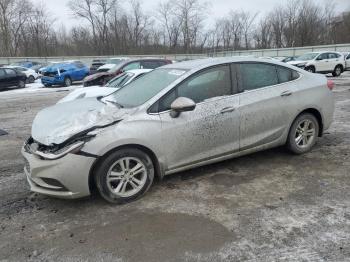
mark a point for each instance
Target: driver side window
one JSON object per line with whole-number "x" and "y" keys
{"x": 322, "y": 56}
{"x": 210, "y": 83}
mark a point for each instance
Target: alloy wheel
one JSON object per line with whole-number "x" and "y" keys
{"x": 126, "y": 177}
{"x": 305, "y": 133}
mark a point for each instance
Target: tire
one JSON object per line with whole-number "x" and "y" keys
{"x": 300, "y": 140}
{"x": 310, "y": 69}
{"x": 47, "y": 85}
{"x": 112, "y": 168}
{"x": 21, "y": 84}
{"x": 67, "y": 82}
{"x": 337, "y": 71}
{"x": 31, "y": 79}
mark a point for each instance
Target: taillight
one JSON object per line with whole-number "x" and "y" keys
{"x": 330, "y": 84}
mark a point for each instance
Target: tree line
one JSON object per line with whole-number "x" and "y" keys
{"x": 106, "y": 27}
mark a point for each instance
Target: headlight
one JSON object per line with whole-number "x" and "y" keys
{"x": 301, "y": 64}
{"x": 73, "y": 148}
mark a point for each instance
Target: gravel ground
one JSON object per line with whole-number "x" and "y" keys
{"x": 268, "y": 206}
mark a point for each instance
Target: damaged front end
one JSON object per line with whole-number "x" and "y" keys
{"x": 54, "y": 152}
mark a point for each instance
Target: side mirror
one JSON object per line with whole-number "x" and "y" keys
{"x": 319, "y": 58}
{"x": 181, "y": 104}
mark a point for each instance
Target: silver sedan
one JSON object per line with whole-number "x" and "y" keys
{"x": 175, "y": 118}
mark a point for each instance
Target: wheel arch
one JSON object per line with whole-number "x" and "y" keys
{"x": 341, "y": 66}
{"x": 316, "y": 113}
{"x": 159, "y": 171}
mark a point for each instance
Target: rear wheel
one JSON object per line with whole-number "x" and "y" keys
{"x": 303, "y": 133}
{"x": 337, "y": 71}
{"x": 21, "y": 84}
{"x": 124, "y": 176}
{"x": 67, "y": 82}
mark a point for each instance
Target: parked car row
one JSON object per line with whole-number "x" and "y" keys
{"x": 120, "y": 65}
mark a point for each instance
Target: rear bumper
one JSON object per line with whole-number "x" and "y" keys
{"x": 67, "y": 177}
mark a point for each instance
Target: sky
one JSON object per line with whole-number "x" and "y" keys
{"x": 63, "y": 15}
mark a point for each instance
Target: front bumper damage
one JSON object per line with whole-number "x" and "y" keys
{"x": 63, "y": 177}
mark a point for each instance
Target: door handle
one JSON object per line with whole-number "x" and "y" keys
{"x": 227, "y": 110}
{"x": 287, "y": 93}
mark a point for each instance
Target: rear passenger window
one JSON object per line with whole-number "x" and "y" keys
{"x": 2, "y": 73}
{"x": 256, "y": 75}
{"x": 332, "y": 56}
{"x": 150, "y": 64}
{"x": 10, "y": 72}
{"x": 286, "y": 74}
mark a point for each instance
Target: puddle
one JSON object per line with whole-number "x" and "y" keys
{"x": 138, "y": 236}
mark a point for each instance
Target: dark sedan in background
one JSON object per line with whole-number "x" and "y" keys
{"x": 102, "y": 77}
{"x": 10, "y": 77}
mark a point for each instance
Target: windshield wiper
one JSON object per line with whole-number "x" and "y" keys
{"x": 115, "y": 103}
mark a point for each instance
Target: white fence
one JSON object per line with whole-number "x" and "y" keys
{"x": 218, "y": 53}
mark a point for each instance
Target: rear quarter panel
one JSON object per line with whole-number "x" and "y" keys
{"x": 312, "y": 92}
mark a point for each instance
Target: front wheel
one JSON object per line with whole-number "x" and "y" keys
{"x": 303, "y": 134}
{"x": 67, "y": 82}
{"x": 124, "y": 176}
{"x": 21, "y": 84}
{"x": 311, "y": 69}
{"x": 31, "y": 79}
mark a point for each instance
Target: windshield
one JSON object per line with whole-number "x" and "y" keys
{"x": 307, "y": 57}
{"x": 120, "y": 80}
{"x": 142, "y": 89}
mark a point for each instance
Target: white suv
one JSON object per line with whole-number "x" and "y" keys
{"x": 321, "y": 62}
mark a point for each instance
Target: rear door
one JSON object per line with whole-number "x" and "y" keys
{"x": 333, "y": 60}
{"x": 212, "y": 129}
{"x": 266, "y": 103}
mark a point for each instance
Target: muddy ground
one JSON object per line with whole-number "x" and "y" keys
{"x": 269, "y": 206}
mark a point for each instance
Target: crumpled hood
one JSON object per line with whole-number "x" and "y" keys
{"x": 107, "y": 66}
{"x": 85, "y": 92}
{"x": 95, "y": 76}
{"x": 56, "y": 124}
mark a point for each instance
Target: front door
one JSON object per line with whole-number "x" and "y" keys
{"x": 11, "y": 77}
{"x": 212, "y": 129}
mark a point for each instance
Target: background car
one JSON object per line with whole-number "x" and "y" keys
{"x": 96, "y": 64}
{"x": 321, "y": 62}
{"x": 30, "y": 64}
{"x": 10, "y": 77}
{"x": 64, "y": 74}
{"x": 113, "y": 85}
{"x": 112, "y": 63}
{"x": 30, "y": 73}
{"x": 288, "y": 59}
{"x": 347, "y": 62}
{"x": 102, "y": 77}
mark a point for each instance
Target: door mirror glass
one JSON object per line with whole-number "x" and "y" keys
{"x": 181, "y": 104}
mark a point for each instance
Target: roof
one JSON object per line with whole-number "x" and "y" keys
{"x": 202, "y": 63}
